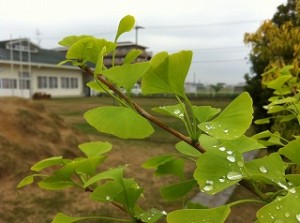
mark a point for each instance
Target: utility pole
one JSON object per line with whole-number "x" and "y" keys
{"x": 136, "y": 33}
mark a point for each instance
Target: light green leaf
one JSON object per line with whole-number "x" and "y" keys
{"x": 233, "y": 122}
{"x": 227, "y": 166}
{"x": 275, "y": 109}
{"x": 167, "y": 73}
{"x": 262, "y": 121}
{"x": 113, "y": 174}
{"x": 91, "y": 149}
{"x": 284, "y": 101}
{"x": 278, "y": 82}
{"x": 211, "y": 215}
{"x": 269, "y": 169}
{"x": 28, "y": 180}
{"x": 172, "y": 110}
{"x": 132, "y": 55}
{"x": 294, "y": 179}
{"x": 97, "y": 86}
{"x": 242, "y": 144}
{"x": 267, "y": 138}
{"x": 62, "y": 218}
{"x": 156, "y": 161}
{"x": 70, "y": 40}
{"x": 88, "y": 165}
{"x": 178, "y": 190}
{"x": 52, "y": 161}
{"x": 187, "y": 149}
{"x": 292, "y": 151}
{"x": 126, "y": 24}
{"x": 119, "y": 121}
{"x": 205, "y": 113}
{"x": 282, "y": 209}
{"x": 99, "y": 64}
{"x": 127, "y": 74}
{"x": 54, "y": 183}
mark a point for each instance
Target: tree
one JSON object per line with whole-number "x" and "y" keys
{"x": 275, "y": 43}
{"x": 217, "y": 87}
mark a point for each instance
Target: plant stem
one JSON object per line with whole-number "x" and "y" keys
{"x": 145, "y": 114}
{"x": 245, "y": 201}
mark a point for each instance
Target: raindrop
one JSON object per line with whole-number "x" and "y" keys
{"x": 164, "y": 213}
{"x": 177, "y": 112}
{"x": 210, "y": 182}
{"x": 226, "y": 131}
{"x": 298, "y": 217}
{"x": 107, "y": 198}
{"x": 181, "y": 115}
{"x": 292, "y": 190}
{"x": 209, "y": 127}
{"x": 229, "y": 152}
{"x": 282, "y": 185}
{"x": 222, "y": 148}
{"x": 240, "y": 164}
{"x": 263, "y": 169}
{"x": 222, "y": 179}
{"x": 208, "y": 188}
{"x": 234, "y": 175}
{"x": 231, "y": 158}
{"x": 287, "y": 214}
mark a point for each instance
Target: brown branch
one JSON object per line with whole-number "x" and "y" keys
{"x": 144, "y": 113}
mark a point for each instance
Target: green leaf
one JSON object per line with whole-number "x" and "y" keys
{"x": 233, "y": 122}
{"x": 126, "y": 24}
{"x": 218, "y": 169}
{"x": 151, "y": 216}
{"x": 293, "y": 178}
{"x": 187, "y": 149}
{"x": 70, "y": 40}
{"x": 178, "y": 190}
{"x": 99, "y": 64}
{"x": 172, "y": 110}
{"x": 156, "y": 161}
{"x": 62, "y": 218}
{"x": 113, "y": 174}
{"x": 269, "y": 169}
{"x": 282, "y": 209}
{"x": 97, "y": 86}
{"x": 291, "y": 151}
{"x": 28, "y": 180}
{"x": 119, "y": 121}
{"x": 91, "y": 149}
{"x": 272, "y": 138}
{"x": 262, "y": 121}
{"x": 89, "y": 165}
{"x": 211, "y": 215}
{"x": 52, "y": 161}
{"x": 173, "y": 167}
{"x": 167, "y": 73}
{"x": 278, "y": 82}
{"x": 242, "y": 144}
{"x": 107, "y": 192}
{"x": 132, "y": 55}
{"x": 54, "y": 183}
{"x": 127, "y": 74}
{"x": 205, "y": 113}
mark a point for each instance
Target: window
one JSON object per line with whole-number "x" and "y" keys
{"x": 8, "y": 83}
{"x": 24, "y": 80}
{"x": 65, "y": 82}
{"x": 53, "y": 83}
{"x": 74, "y": 82}
{"x": 42, "y": 82}
{"x": 69, "y": 82}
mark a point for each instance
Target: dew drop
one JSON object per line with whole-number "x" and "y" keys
{"x": 208, "y": 187}
{"x": 287, "y": 214}
{"x": 240, "y": 163}
{"x": 263, "y": 169}
{"x": 226, "y": 131}
{"x": 234, "y": 175}
{"x": 229, "y": 152}
{"x": 231, "y": 158}
{"x": 282, "y": 185}
{"x": 222, "y": 179}
{"x": 209, "y": 127}
{"x": 298, "y": 217}
{"x": 209, "y": 182}
{"x": 107, "y": 198}
{"x": 164, "y": 213}
{"x": 177, "y": 112}
{"x": 222, "y": 148}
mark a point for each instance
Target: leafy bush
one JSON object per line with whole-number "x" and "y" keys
{"x": 216, "y": 141}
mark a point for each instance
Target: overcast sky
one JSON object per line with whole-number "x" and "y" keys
{"x": 213, "y": 29}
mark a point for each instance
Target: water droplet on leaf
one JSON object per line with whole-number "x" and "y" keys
{"x": 222, "y": 148}
{"x": 234, "y": 175}
{"x": 231, "y": 158}
{"x": 208, "y": 188}
{"x": 229, "y": 152}
{"x": 298, "y": 217}
{"x": 263, "y": 169}
{"x": 240, "y": 164}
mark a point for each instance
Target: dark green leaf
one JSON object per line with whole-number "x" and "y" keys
{"x": 178, "y": 190}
